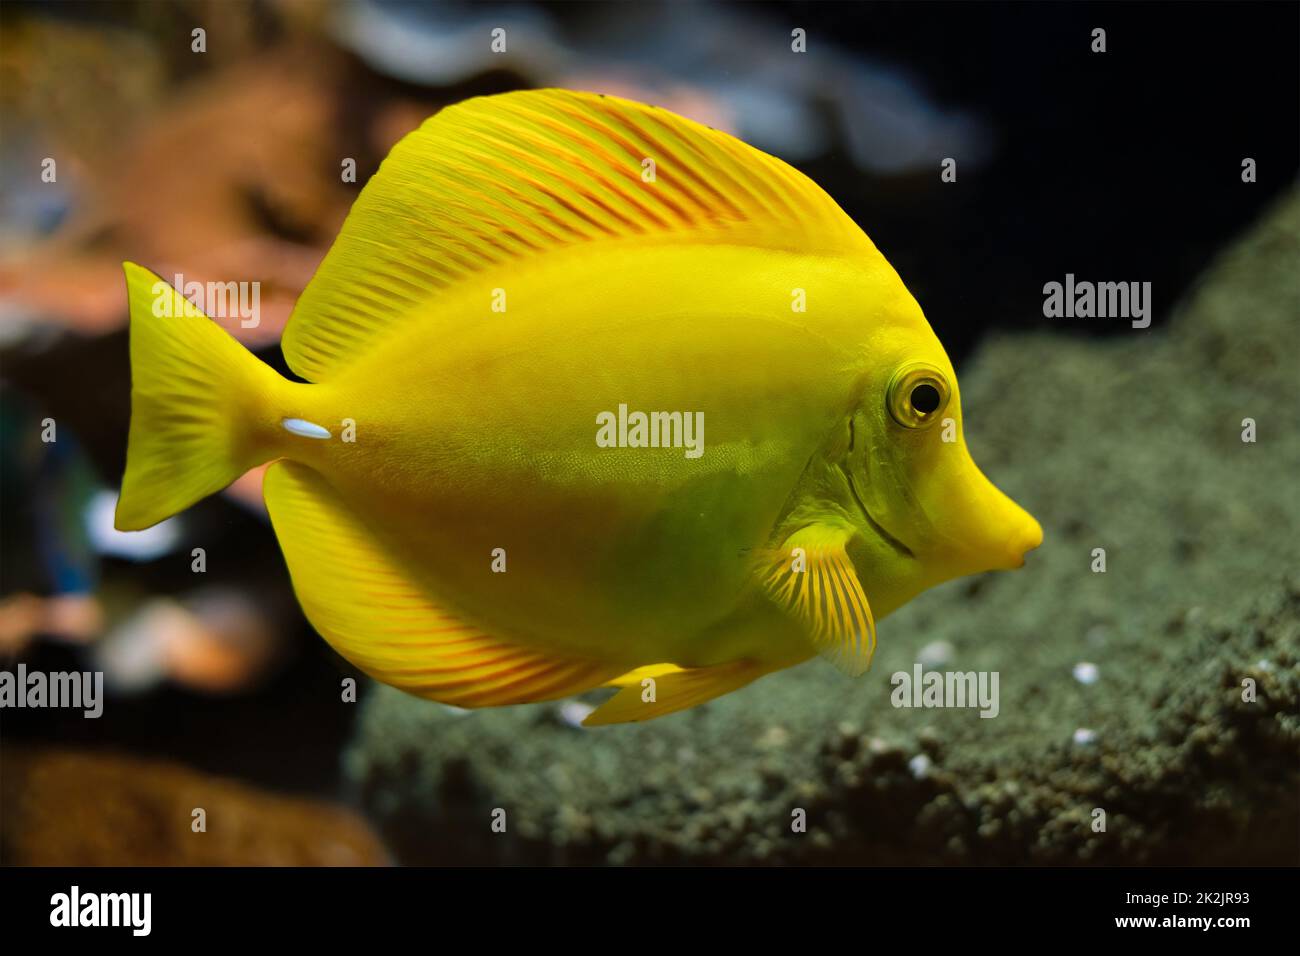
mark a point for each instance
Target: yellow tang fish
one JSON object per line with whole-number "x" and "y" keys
{"x": 594, "y": 395}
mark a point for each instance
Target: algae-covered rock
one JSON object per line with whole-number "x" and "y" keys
{"x": 1160, "y": 698}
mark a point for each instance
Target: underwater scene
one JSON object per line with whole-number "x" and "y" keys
{"x": 688, "y": 434}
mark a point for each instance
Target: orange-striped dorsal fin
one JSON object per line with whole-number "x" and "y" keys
{"x": 495, "y": 180}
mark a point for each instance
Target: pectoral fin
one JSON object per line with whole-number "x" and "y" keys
{"x": 814, "y": 580}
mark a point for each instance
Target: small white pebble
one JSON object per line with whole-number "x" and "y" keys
{"x": 936, "y": 654}
{"x": 1265, "y": 665}
{"x": 1086, "y": 673}
{"x": 1083, "y": 736}
{"x": 920, "y": 766}
{"x": 574, "y": 712}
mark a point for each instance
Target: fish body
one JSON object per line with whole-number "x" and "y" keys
{"x": 488, "y": 520}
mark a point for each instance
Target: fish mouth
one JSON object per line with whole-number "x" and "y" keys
{"x": 876, "y": 526}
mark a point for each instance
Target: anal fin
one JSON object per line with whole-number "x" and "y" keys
{"x": 362, "y": 602}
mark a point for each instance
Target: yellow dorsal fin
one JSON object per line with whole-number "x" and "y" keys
{"x": 813, "y": 578}
{"x": 365, "y": 606}
{"x": 500, "y": 178}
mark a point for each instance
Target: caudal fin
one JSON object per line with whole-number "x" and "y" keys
{"x": 196, "y": 394}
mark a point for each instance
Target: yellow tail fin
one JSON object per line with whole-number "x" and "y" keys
{"x": 199, "y": 403}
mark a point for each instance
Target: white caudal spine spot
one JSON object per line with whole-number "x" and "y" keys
{"x": 306, "y": 429}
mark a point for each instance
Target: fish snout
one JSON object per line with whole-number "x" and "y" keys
{"x": 1010, "y": 533}
{"x": 990, "y": 530}
{"x": 1027, "y": 537}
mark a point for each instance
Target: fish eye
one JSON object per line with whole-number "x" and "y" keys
{"x": 917, "y": 395}
{"x": 925, "y": 398}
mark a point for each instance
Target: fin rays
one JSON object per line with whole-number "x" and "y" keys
{"x": 362, "y": 603}
{"x": 513, "y": 176}
{"x": 827, "y": 596}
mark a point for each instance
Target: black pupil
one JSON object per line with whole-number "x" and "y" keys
{"x": 925, "y": 398}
